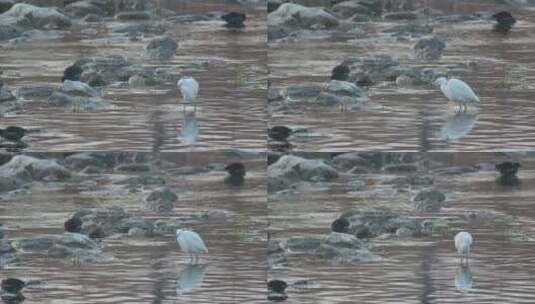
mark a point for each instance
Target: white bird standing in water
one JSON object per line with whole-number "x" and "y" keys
{"x": 191, "y": 243}
{"x": 189, "y": 89}
{"x": 457, "y": 91}
{"x": 463, "y": 244}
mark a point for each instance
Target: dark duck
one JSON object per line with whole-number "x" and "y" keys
{"x": 236, "y": 173}
{"x": 505, "y": 22}
{"x": 234, "y": 20}
{"x": 508, "y": 171}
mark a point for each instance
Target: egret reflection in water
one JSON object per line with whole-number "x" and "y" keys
{"x": 190, "y": 278}
{"x": 458, "y": 125}
{"x": 190, "y": 129}
{"x": 463, "y": 278}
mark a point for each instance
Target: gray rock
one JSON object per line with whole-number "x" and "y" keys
{"x": 303, "y": 244}
{"x": 6, "y": 247}
{"x": 33, "y": 245}
{"x": 413, "y": 180}
{"x": 344, "y": 88}
{"x": 25, "y": 17}
{"x": 410, "y": 29}
{"x": 343, "y": 240}
{"x": 275, "y": 95}
{"x": 78, "y": 103}
{"x": 274, "y": 247}
{"x": 299, "y": 91}
{"x": 133, "y": 168}
{"x": 125, "y": 225}
{"x": 429, "y": 49}
{"x": 143, "y": 180}
{"x": 76, "y": 241}
{"x": 290, "y": 17}
{"x": 78, "y": 88}
{"x": 162, "y": 48}
{"x": 81, "y": 9}
{"x": 401, "y": 16}
{"x": 429, "y": 200}
{"x": 290, "y": 169}
{"x": 134, "y": 15}
{"x": 161, "y": 200}
{"x": 146, "y": 28}
{"x": 349, "y": 8}
{"x": 37, "y": 91}
{"x": 6, "y": 96}
{"x": 23, "y": 169}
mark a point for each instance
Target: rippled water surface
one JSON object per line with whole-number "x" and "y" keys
{"x": 149, "y": 270}
{"x": 419, "y": 118}
{"x": 418, "y": 270}
{"x": 231, "y": 113}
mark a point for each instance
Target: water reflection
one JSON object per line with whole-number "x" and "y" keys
{"x": 458, "y": 125}
{"x": 190, "y": 129}
{"x": 190, "y": 278}
{"x": 463, "y": 278}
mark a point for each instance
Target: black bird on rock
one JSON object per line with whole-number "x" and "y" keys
{"x": 234, "y": 20}
{"x": 13, "y": 133}
{"x": 277, "y": 286}
{"x": 74, "y": 224}
{"x": 505, "y": 21}
{"x": 508, "y": 172}
{"x": 280, "y": 133}
{"x": 73, "y": 73}
{"x": 236, "y": 173}
{"x": 340, "y": 72}
{"x": 340, "y": 225}
{"x": 12, "y": 285}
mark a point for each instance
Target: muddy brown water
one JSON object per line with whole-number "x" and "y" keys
{"x": 148, "y": 270}
{"x": 417, "y": 270}
{"x": 419, "y": 118}
{"x": 231, "y": 111}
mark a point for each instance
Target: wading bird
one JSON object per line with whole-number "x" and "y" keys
{"x": 191, "y": 243}
{"x": 505, "y": 22}
{"x": 463, "y": 244}
{"x": 189, "y": 89}
{"x": 457, "y": 91}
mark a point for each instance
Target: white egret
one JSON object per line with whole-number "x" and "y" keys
{"x": 463, "y": 244}
{"x": 457, "y": 91}
{"x": 189, "y": 89}
{"x": 191, "y": 243}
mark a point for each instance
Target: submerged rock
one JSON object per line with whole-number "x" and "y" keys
{"x": 161, "y": 200}
{"x": 291, "y": 17}
{"x": 23, "y": 169}
{"x": 290, "y": 169}
{"x": 429, "y": 49}
{"x": 36, "y": 91}
{"x": 429, "y": 200}
{"x": 162, "y": 48}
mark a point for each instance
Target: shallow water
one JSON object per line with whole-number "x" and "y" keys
{"x": 419, "y": 118}
{"x": 149, "y": 270}
{"x": 418, "y": 270}
{"x": 231, "y": 111}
